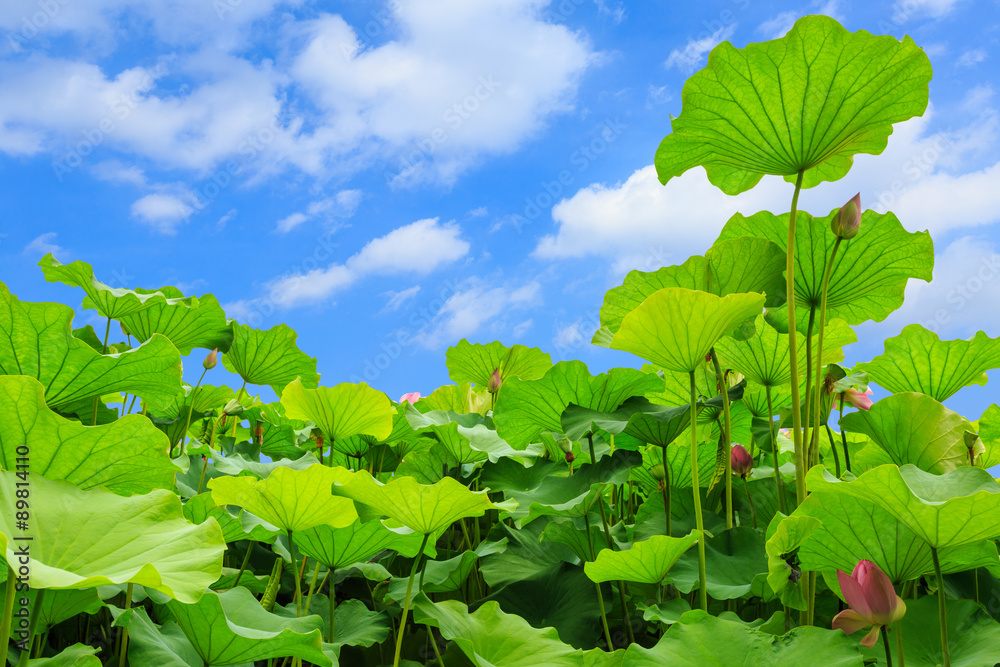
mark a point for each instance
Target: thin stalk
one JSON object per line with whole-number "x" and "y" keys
{"x": 793, "y": 354}
{"x": 131, "y": 404}
{"x": 26, "y": 654}
{"x": 333, "y": 602}
{"x": 600, "y": 596}
{"x": 237, "y": 418}
{"x": 666, "y": 490}
{"x": 753, "y": 512}
{"x": 833, "y": 448}
{"x": 104, "y": 350}
{"x": 942, "y": 610}
{"x": 843, "y": 436}
{"x": 243, "y": 566}
{"x": 806, "y": 432}
{"x": 818, "y": 396}
{"x": 434, "y": 645}
{"x": 899, "y": 644}
{"x": 727, "y": 436}
{"x": 124, "y": 642}
{"x": 295, "y": 571}
{"x": 201, "y": 480}
{"x": 8, "y": 609}
{"x": 774, "y": 450}
{"x": 699, "y": 522}
{"x": 187, "y": 424}
{"x": 406, "y": 603}
{"x": 885, "y": 643}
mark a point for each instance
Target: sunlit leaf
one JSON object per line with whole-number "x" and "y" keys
{"x": 338, "y": 547}
{"x": 188, "y": 322}
{"x": 341, "y": 411}
{"x": 475, "y": 363}
{"x": 648, "y": 561}
{"x": 113, "y": 302}
{"x": 269, "y": 358}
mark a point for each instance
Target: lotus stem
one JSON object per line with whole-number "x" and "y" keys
{"x": 793, "y": 356}
{"x": 774, "y": 450}
{"x": 753, "y": 512}
{"x": 243, "y": 566}
{"x": 885, "y": 643}
{"x": 699, "y": 521}
{"x": 833, "y": 448}
{"x": 8, "y": 608}
{"x": 806, "y": 428}
{"x": 238, "y": 418}
{"x": 727, "y": 436}
{"x": 942, "y": 610}
{"x": 899, "y": 644}
{"x": 295, "y": 571}
{"x": 666, "y": 489}
{"x": 600, "y": 596}
{"x": 843, "y": 436}
{"x": 187, "y": 424}
{"x": 333, "y": 602}
{"x": 818, "y": 396}
{"x": 201, "y": 480}
{"x": 406, "y": 603}
{"x": 32, "y": 623}
{"x": 124, "y": 642}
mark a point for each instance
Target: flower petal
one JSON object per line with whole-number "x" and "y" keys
{"x": 871, "y": 637}
{"x": 849, "y": 621}
{"x": 853, "y": 595}
{"x": 879, "y": 593}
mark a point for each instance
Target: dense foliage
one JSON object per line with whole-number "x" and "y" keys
{"x": 696, "y": 511}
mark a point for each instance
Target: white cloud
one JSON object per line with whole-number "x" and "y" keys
{"x": 114, "y": 171}
{"x": 43, "y": 244}
{"x": 522, "y": 328}
{"x": 777, "y": 26}
{"x": 420, "y": 247}
{"x": 971, "y": 58}
{"x": 904, "y": 10}
{"x": 689, "y": 58}
{"x": 397, "y": 299}
{"x": 570, "y": 335}
{"x": 221, "y": 223}
{"x": 469, "y": 310}
{"x": 479, "y": 212}
{"x": 162, "y": 212}
{"x": 341, "y": 205}
{"x": 615, "y": 13}
{"x": 290, "y": 222}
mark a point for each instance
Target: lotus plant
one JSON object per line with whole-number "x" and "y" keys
{"x": 742, "y": 464}
{"x": 872, "y": 601}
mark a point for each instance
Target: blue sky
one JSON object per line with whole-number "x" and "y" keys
{"x": 388, "y": 178}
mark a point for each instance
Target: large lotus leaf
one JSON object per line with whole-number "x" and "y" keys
{"x": 77, "y": 655}
{"x": 127, "y": 456}
{"x": 648, "y": 561}
{"x": 510, "y": 475}
{"x": 525, "y": 556}
{"x": 188, "y": 322}
{"x": 269, "y": 358}
{"x": 698, "y": 640}
{"x": 237, "y": 465}
{"x": 973, "y": 635}
{"x": 733, "y": 558}
{"x": 475, "y": 363}
{"x": 58, "y": 605}
{"x": 573, "y": 534}
{"x": 806, "y": 102}
{"x": 527, "y": 408}
{"x": 82, "y": 539}
{"x": 113, "y": 302}
{"x": 246, "y": 526}
{"x": 918, "y": 360}
{"x": 437, "y": 576}
{"x": 338, "y": 547}
{"x": 232, "y": 628}
{"x": 289, "y": 499}
{"x": 35, "y": 340}
{"x": 491, "y": 638}
{"x": 676, "y": 327}
{"x": 678, "y": 466}
{"x": 950, "y": 510}
{"x": 785, "y": 536}
{"x": 746, "y": 264}
{"x": 149, "y": 644}
{"x": 206, "y": 398}
{"x": 914, "y": 428}
{"x": 765, "y": 358}
{"x": 467, "y": 438}
{"x": 354, "y": 623}
{"x": 989, "y": 433}
{"x": 853, "y": 529}
{"x": 420, "y": 507}
{"x": 648, "y": 422}
{"x": 341, "y": 411}
{"x": 870, "y": 272}
{"x": 461, "y": 398}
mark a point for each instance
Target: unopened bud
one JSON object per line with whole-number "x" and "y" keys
{"x": 569, "y": 457}
{"x": 495, "y": 382}
{"x": 741, "y": 461}
{"x": 211, "y": 359}
{"x": 974, "y": 445}
{"x": 233, "y": 407}
{"x": 847, "y": 221}
{"x": 565, "y": 444}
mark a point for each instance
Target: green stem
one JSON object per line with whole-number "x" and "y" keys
{"x": 295, "y": 571}
{"x": 753, "y": 512}
{"x": 793, "y": 353}
{"x": 434, "y": 645}
{"x": 8, "y": 609}
{"x": 124, "y": 642}
{"x": 187, "y": 424}
{"x": 818, "y": 396}
{"x": 899, "y": 644}
{"x": 885, "y": 644}
{"x": 727, "y": 437}
{"x": 695, "y": 484}
{"x": 333, "y": 602}
{"x": 104, "y": 350}
{"x": 237, "y": 418}
{"x": 942, "y": 610}
{"x": 806, "y": 429}
{"x": 246, "y": 559}
{"x": 201, "y": 480}
{"x": 600, "y": 596}
{"x": 666, "y": 489}
{"x": 26, "y": 654}
{"x": 843, "y": 437}
{"x": 779, "y": 490}
{"x": 406, "y": 603}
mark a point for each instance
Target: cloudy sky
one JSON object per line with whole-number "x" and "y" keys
{"x": 390, "y": 177}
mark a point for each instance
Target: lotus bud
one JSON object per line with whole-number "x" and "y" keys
{"x": 847, "y": 221}
{"x": 569, "y": 457}
{"x": 495, "y": 382}
{"x": 233, "y": 408}
{"x": 741, "y": 461}
{"x": 410, "y": 398}
{"x": 565, "y": 444}
{"x": 211, "y": 360}
{"x": 858, "y": 399}
{"x": 258, "y": 434}
{"x": 872, "y": 601}
{"x": 659, "y": 473}
{"x": 974, "y": 445}
{"x": 125, "y": 330}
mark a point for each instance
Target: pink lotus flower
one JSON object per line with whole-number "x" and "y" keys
{"x": 411, "y": 398}
{"x": 211, "y": 360}
{"x": 847, "y": 221}
{"x": 857, "y": 399}
{"x": 495, "y": 381}
{"x": 741, "y": 461}
{"x": 872, "y": 600}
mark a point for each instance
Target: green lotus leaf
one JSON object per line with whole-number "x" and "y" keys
{"x": 339, "y": 547}
{"x": 77, "y": 655}
{"x": 527, "y": 408}
{"x": 423, "y": 508}
{"x": 58, "y": 605}
{"x": 36, "y": 340}
{"x": 341, "y": 411}
{"x": 950, "y": 510}
{"x": 989, "y": 434}
{"x": 732, "y": 558}
{"x": 746, "y": 264}
{"x": 806, "y": 102}
{"x": 82, "y": 539}
{"x": 236, "y": 465}
{"x": 437, "y": 576}
{"x": 475, "y": 363}
{"x": 914, "y": 428}
{"x": 126, "y": 456}
{"x": 678, "y": 466}
{"x": 524, "y": 556}
{"x": 869, "y": 274}
{"x": 206, "y": 398}
{"x": 573, "y": 534}
{"x": 232, "y": 628}
{"x": 917, "y": 360}
{"x": 111, "y": 302}
{"x": 354, "y": 623}
{"x": 269, "y": 358}
{"x": 676, "y": 327}
{"x": 491, "y": 638}
{"x": 648, "y": 561}
{"x": 245, "y": 526}
{"x": 149, "y": 644}
{"x": 461, "y": 398}
{"x": 289, "y": 499}
{"x": 467, "y": 438}
{"x": 188, "y": 322}
{"x": 784, "y": 538}
{"x": 853, "y": 529}
{"x": 698, "y": 639}
{"x": 765, "y": 358}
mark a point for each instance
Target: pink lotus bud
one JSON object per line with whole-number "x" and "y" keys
{"x": 495, "y": 382}
{"x": 857, "y": 399}
{"x": 741, "y": 461}
{"x": 872, "y": 601}
{"x": 847, "y": 222}
{"x": 410, "y": 398}
{"x": 211, "y": 359}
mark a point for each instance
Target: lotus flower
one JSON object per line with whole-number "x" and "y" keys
{"x": 741, "y": 461}
{"x": 857, "y": 399}
{"x": 872, "y": 600}
{"x": 495, "y": 382}
{"x": 211, "y": 359}
{"x": 411, "y": 398}
{"x": 847, "y": 222}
